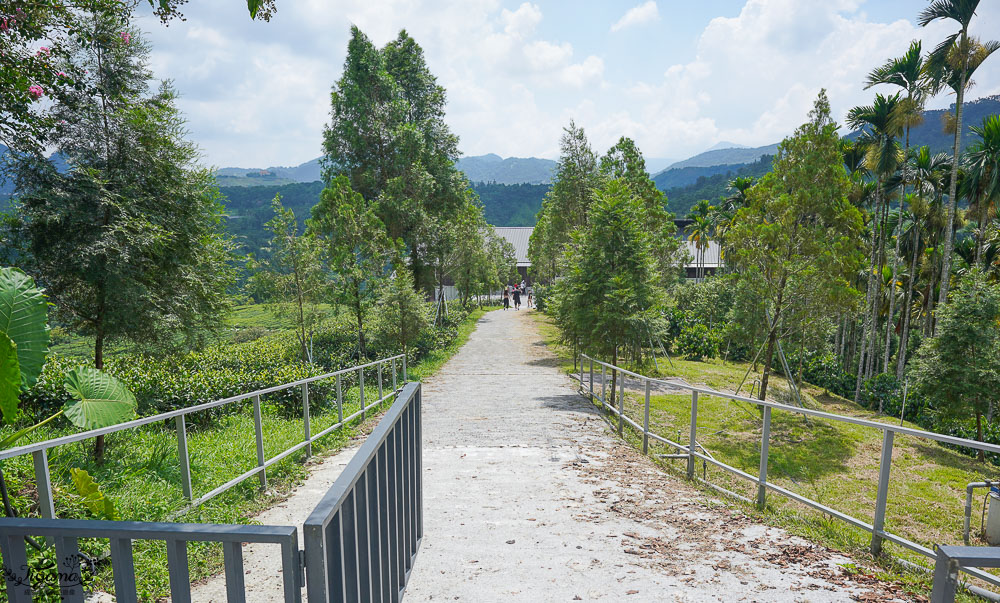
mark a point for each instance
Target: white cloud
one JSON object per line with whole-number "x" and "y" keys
{"x": 521, "y": 22}
{"x": 257, "y": 94}
{"x": 644, "y": 13}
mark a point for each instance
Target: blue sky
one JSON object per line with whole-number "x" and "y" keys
{"x": 677, "y": 76}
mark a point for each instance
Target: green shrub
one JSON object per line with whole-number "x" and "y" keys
{"x": 249, "y": 334}
{"x": 696, "y": 342}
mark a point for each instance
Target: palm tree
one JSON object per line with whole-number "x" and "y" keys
{"x": 926, "y": 171}
{"x": 700, "y": 231}
{"x": 881, "y": 158}
{"x": 907, "y": 72}
{"x": 952, "y": 63}
{"x": 982, "y": 177}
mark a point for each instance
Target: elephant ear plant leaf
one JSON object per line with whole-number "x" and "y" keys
{"x": 24, "y": 319}
{"x": 101, "y": 400}
{"x": 10, "y": 378}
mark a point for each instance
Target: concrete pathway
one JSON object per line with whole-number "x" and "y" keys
{"x": 529, "y": 496}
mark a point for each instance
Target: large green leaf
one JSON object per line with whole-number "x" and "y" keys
{"x": 101, "y": 400}
{"x": 24, "y": 318}
{"x": 98, "y": 502}
{"x": 10, "y": 378}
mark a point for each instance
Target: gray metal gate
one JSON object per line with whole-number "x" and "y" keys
{"x": 361, "y": 540}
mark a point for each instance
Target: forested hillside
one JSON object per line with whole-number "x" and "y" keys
{"x": 248, "y": 208}
{"x": 512, "y": 170}
{"x": 511, "y": 204}
{"x": 681, "y": 199}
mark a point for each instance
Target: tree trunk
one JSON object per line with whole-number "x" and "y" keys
{"x": 892, "y": 290}
{"x": 908, "y": 306}
{"x": 953, "y": 185}
{"x": 867, "y": 325}
{"x": 772, "y": 337}
{"x": 99, "y": 365}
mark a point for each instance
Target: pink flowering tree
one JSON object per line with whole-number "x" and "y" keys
{"x": 35, "y": 36}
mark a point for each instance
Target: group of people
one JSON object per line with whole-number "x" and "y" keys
{"x": 514, "y": 293}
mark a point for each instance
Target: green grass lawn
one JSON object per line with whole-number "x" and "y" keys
{"x": 831, "y": 462}
{"x": 141, "y": 473}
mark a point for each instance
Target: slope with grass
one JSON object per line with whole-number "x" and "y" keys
{"x": 141, "y": 474}
{"x": 831, "y": 462}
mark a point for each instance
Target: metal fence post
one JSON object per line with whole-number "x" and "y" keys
{"x": 621, "y": 403}
{"x": 340, "y": 402}
{"x": 405, "y": 376}
{"x": 645, "y": 422}
{"x": 182, "y": 456}
{"x": 305, "y": 417}
{"x": 604, "y": 380}
{"x": 581, "y": 372}
{"x": 43, "y": 482}
{"x": 258, "y": 426}
{"x": 591, "y": 379}
{"x": 361, "y": 391}
{"x": 765, "y": 442}
{"x": 885, "y": 463}
{"x": 693, "y": 434}
{"x": 945, "y": 578}
{"x": 394, "y": 388}
{"x": 379, "y": 381}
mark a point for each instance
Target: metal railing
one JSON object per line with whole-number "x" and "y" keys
{"x": 39, "y": 450}
{"x": 876, "y": 528}
{"x": 363, "y": 536}
{"x": 67, "y": 532}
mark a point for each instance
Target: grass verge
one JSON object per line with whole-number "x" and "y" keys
{"x": 831, "y": 462}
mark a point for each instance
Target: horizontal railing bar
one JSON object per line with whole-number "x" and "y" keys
{"x": 668, "y": 442}
{"x": 920, "y": 433}
{"x": 290, "y": 451}
{"x": 141, "y": 530}
{"x": 728, "y": 468}
{"x": 85, "y": 435}
{"x": 722, "y": 490}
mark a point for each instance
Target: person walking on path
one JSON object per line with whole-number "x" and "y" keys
{"x": 517, "y": 298}
{"x": 530, "y": 300}
{"x": 506, "y": 299}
